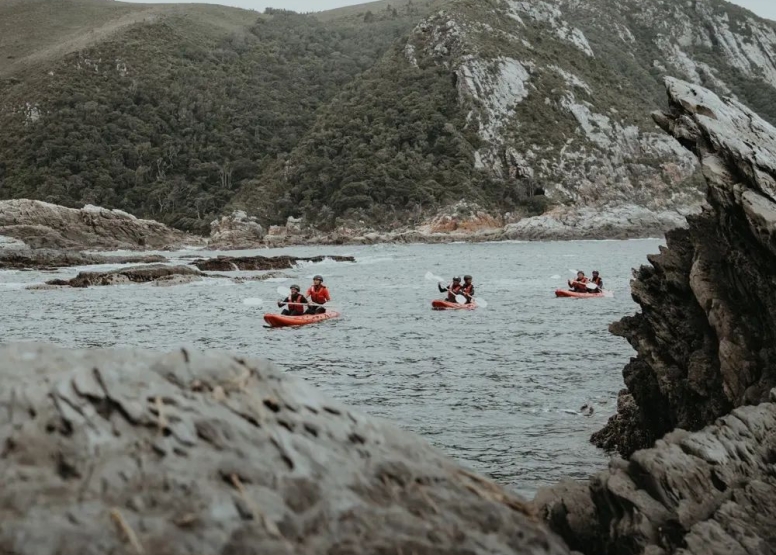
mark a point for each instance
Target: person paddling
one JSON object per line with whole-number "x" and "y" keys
{"x": 599, "y": 283}
{"x": 579, "y": 284}
{"x": 293, "y": 302}
{"x": 452, "y": 290}
{"x": 318, "y": 293}
{"x": 467, "y": 289}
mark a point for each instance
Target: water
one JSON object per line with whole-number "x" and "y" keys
{"x": 498, "y": 389}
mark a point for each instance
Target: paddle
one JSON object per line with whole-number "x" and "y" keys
{"x": 460, "y": 299}
{"x": 285, "y": 292}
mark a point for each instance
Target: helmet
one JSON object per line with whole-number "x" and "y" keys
{"x": 467, "y": 277}
{"x": 456, "y": 278}
{"x": 595, "y": 272}
{"x": 318, "y": 277}
{"x": 295, "y": 287}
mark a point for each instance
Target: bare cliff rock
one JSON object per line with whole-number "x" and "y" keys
{"x": 706, "y": 335}
{"x": 137, "y": 452}
{"x": 706, "y": 493}
{"x": 43, "y": 225}
{"x": 236, "y": 231}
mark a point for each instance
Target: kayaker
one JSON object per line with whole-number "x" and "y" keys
{"x": 318, "y": 293}
{"x": 596, "y": 279}
{"x": 578, "y": 284}
{"x": 294, "y": 302}
{"x": 467, "y": 289}
{"x": 452, "y": 290}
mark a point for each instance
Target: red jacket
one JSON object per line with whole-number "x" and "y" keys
{"x": 319, "y": 295}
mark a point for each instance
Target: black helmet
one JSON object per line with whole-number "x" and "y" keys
{"x": 467, "y": 276}
{"x": 456, "y": 278}
{"x": 295, "y": 287}
{"x": 318, "y": 277}
{"x": 595, "y": 272}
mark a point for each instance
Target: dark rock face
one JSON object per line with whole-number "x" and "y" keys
{"x": 710, "y": 492}
{"x": 234, "y": 263}
{"x": 135, "y": 274}
{"x": 47, "y": 258}
{"x": 706, "y": 336}
{"x": 136, "y": 452}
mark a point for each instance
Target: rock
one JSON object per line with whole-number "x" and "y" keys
{"x": 609, "y": 222}
{"x": 169, "y": 281}
{"x": 134, "y": 274}
{"x": 461, "y": 217}
{"x": 706, "y": 493}
{"x": 236, "y": 231}
{"x": 43, "y": 225}
{"x": 129, "y": 451}
{"x": 49, "y": 258}
{"x": 235, "y": 263}
{"x": 706, "y": 334}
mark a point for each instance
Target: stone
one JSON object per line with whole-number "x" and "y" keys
{"x": 44, "y": 225}
{"x": 706, "y": 333}
{"x": 134, "y": 274}
{"x": 130, "y": 451}
{"x": 41, "y": 259}
{"x": 256, "y": 263}
{"x": 236, "y": 231}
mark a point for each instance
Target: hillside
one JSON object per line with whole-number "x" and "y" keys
{"x": 377, "y": 115}
{"x": 172, "y": 108}
{"x": 513, "y": 106}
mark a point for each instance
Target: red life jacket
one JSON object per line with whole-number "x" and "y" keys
{"x": 579, "y": 285}
{"x": 452, "y": 290}
{"x": 295, "y": 306}
{"x": 468, "y": 289}
{"x": 597, "y": 280}
{"x": 319, "y": 295}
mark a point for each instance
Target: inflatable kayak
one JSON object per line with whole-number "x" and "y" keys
{"x": 576, "y": 294}
{"x": 280, "y": 321}
{"x": 439, "y": 304}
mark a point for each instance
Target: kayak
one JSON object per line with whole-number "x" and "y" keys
{"x": 439, "y": 304}
{"x": 280, "y": 321}
{"x": 576, "y": 294}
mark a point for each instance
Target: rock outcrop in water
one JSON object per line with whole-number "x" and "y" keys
{"x": 136, "y": 274}
{"x": 706, "y": 335}
{"x": 137, "y": 452}
{"x": 709, "y": 492}
{"x": 234, "y": 263}
{"x": 41, "y": 259}
{"x": 43, "y": 225}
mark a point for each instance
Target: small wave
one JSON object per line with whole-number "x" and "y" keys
{"x": 278, "y": 279}
{"x": 14, "y": 285}
{"x": 556, "y": 276}
{"x": 253, "y": 301}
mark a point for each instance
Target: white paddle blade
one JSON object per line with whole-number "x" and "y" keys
{"x": 481, "y": 302}
{"x": 253, "y": 302}
{"x": 431, "y": 277}
{"x": 460, "y": 299}
{"x": 283, "y": 291}
{"x": 556, "y": 276}
{"x": 591, "y": 286}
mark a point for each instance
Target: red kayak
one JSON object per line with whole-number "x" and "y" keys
{"x": 280, "y": 321}
{"x": 439, "y": 304}
{"x": 576, "y": 294}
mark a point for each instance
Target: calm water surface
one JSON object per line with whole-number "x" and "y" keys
{"x": 499, "y": 389}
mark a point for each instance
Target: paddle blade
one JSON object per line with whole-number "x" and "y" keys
{"x": 431, "y": 277}
{"x": 481, "y": 302}
{"x": 591, "y": 286}
{"x": 460, "y": 299}
{"x": 283, "y": 291}
{"x": 253, "y": 302}
{"x": 556, "y": 276}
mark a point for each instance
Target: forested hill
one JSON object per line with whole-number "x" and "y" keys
{"x": 382, "y": 113}
{"x": 166, "y": 111}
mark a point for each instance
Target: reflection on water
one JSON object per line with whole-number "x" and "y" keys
{"x": 499, "y": 389}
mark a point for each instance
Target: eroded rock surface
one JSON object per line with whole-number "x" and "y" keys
{"x": 235, "y": 263}
{"x": 706, "y": 334}
{"x": 44, "y": 225}
{"x": 136, "y": 452}
{"x": 50, "y": 258}
{"x": 134, "y": 274}
{"x": 236, "y": 231}
{"x": 706, "y": 493}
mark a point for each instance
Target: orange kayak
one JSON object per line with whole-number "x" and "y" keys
{"x": 576, "y": 294}
{"x": 439, "y": 304}
{"x": 280, "y": 321}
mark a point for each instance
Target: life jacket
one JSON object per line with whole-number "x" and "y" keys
{"x": 452, "y": 290}
{"x": 294, "y": 302}
{"x": 579, "y": 285}
{"x": 468, "y": 290}
{"x": 598, "y": 281}
{"x": 319, "y": 295}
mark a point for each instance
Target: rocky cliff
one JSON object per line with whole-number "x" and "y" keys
{"x": 706, "y": 334}
{"x": 134, "y": 452}
{"x": 45, "y": 225}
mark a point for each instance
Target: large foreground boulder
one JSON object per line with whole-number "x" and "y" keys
{"x": 44, "y": 225}
{"x": 708, "y": 493}
{"x": 706, "y": 334}
{"x": 136, "y": 452}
